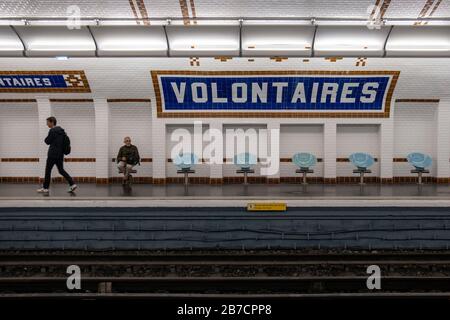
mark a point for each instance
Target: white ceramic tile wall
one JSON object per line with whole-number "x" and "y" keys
{"x": 133, "y": 120}
{"x": 415, "y": 131}
{"x": 201, "y": 169}
{"x": 19, "y": 138}
{"x": 352, "y": 138}
{"x": 301, "y": 138}
{"x": 78, "y": 121}
{"x": 130, "y": 79}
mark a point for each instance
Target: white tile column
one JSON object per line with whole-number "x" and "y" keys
{"x": 158, "y": 149}
{"x": 44, "y": 111}
{"x": 102, "y": 155}
{"x": 443, "y": 139}
{"x": 387, "y": 150}
{"x": 216, "y": 170}
{"x": 274, "y": 150}
{"x": 329, "y": 153}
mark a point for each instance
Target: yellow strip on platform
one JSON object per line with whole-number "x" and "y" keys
{"x": 264, "y": 206}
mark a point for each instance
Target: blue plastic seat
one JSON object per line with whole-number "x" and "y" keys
{"x": 304, "y": 160}
{"x": 419, "y": 160}
{"x": 185, "y": 161}
{"x": 361, "y": 160}
{"x": 245, "y": 160}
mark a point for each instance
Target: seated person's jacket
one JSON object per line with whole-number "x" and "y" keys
{"x": 131, "y": 153}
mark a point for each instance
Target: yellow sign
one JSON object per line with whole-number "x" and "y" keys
{"x": 266, "y": 206}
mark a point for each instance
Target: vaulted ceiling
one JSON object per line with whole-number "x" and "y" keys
{"x": 191, "y": 9}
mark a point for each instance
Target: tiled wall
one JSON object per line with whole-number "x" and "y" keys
{"x": 415, "y": 130}
{"x": 352, "y": 138}
{"x": 19, "y": 143}
{"x": 414, "y": 121}
{"x": 202, "y": 169}
{"x": 131, "y": 119}
{"x": 296, "y": 138}
{"x": 78, "y": 121}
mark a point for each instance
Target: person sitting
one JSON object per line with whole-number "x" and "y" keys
{"x": 127, "y": 158}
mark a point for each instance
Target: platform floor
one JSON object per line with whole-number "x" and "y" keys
{"x": 12, "y": 190}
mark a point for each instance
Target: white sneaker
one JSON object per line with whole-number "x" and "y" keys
{"x": 72, "y": 188}
{"x": 42, "y": 190}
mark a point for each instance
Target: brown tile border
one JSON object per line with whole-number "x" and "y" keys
{"x": 192, "y": 180}
{"x": 134, "y": 10}
{"x": 129, "y": 100}
{"x": 442, "y": 180}
{"x": 418, "y": 100}
{"x": 299, "y": 179}
{"x": 169, "y": 160}
{"x": 19, "y": 159}
{"x": 185, "y": 12}
{"x": 387, "y": 181}
{"x": 399, "y": 160}
{"x": 159, "y": 181}
{"x": 232, "y": 180}
{"x": 19, "y": 179}
{"x": 355, "y": 180}
{"x": 413, "y": 179}
{"x": 348, "y": 160}
{"x": 76, "y": 179}
{"x": 79, "y": 160}
{"x": 84, "y": 89}
{"x": 18, "y": 100}
{"x": 215, "y": 181}
{"x": 142, "y": 160}
{"x": 282, "y": 114}
{"x": 72, "y": 100}
{"x": 290, "y": 160}
{"x": 143, "y": 11}
{"x": 425, "y": 12}
{"x": 240, "y": 179}
{"x": 139, "y": 180}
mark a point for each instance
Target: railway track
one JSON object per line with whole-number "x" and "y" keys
{"x": 224, "y": 285}
{"x": 271, "y": 273}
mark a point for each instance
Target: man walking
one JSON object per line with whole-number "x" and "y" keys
{"x": 59, "y": 144}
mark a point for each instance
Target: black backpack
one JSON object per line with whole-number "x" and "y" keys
{"x": 66, "y": 145}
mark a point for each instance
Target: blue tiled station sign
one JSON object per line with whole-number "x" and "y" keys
{"x": 266, "y": 93}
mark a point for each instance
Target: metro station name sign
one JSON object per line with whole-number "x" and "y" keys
{"x": 43, "y": 81}
{"x": 274, "y": 93}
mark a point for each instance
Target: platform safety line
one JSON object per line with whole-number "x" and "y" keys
{"x": 240, "y": 202}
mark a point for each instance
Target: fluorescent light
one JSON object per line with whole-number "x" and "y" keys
{"x": 350, "y": 41}
{"x": 149, "y": 41}
{"x": 57, "y": 41}
{"x": 276, "y": 40}
{"x": 61, "y": 23}
{"x": 10, "y": 44}
{"x": 419, "y": 41}
{"x": 201, "y": 22}
{"x": 203, "y": 40}
{"x": 62, "y": 58}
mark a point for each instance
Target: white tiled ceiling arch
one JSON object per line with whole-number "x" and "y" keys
{"x": 228, "y": 8}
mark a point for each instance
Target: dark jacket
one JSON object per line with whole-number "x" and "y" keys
{"x": 131, "y": 153}
{"x": 55, "y": 140}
